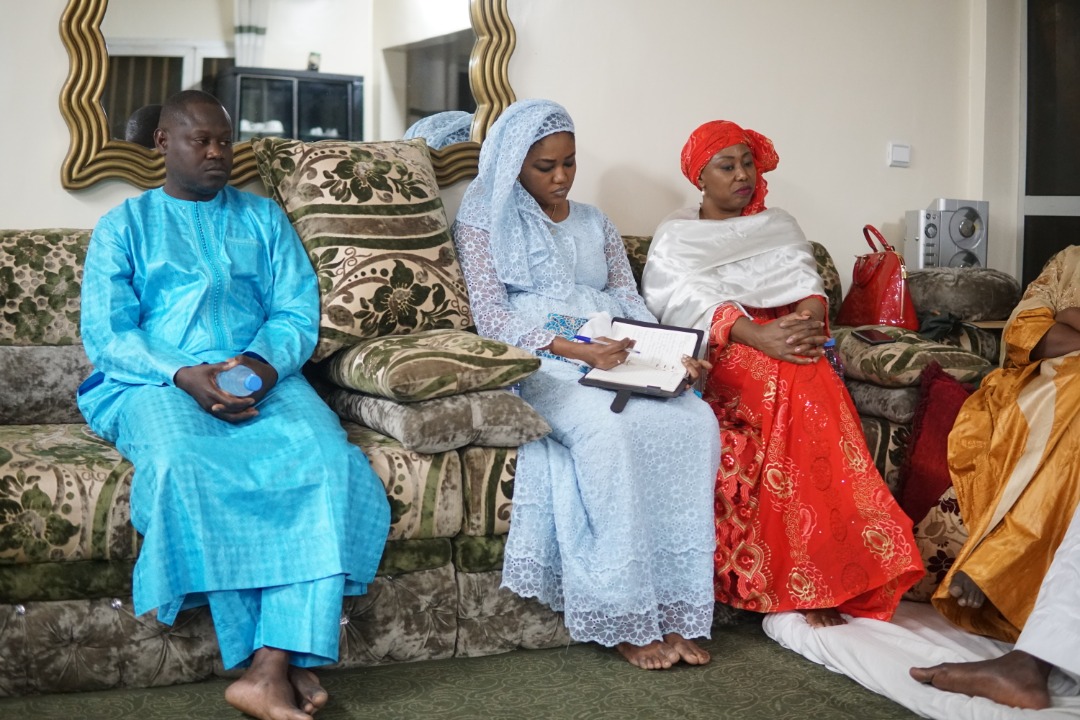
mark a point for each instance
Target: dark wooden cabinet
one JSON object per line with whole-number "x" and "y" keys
{"x": 299, "y": 104}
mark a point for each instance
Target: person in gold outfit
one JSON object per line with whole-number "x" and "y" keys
{"x": 1013, "y": 459}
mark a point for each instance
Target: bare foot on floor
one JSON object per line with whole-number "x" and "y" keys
{"x": 966, "y": 592}
{"x": 823, "y": 617}
{"x": 1015, "y": 679}
{"x": 264, "y": 690}
{"x": 689, "y": 651}
{"x": 656, "y": 655}
{"x": 310, "y": 693}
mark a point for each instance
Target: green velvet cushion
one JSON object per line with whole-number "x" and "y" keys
{"x": 370, "y": 217}
{"x": 894, "y": 404}
{"x": 492, "y": 418}
{"x": 427, "y": 365}
{"x": 900, "y": 364}
{"x": 968, "y": 293}
{"x": 38, "y": 383}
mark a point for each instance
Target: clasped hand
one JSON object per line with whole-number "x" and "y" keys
{"x": 796, "y": 338}
{"x": 200, "y": 382}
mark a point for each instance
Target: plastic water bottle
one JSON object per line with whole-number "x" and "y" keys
{"x": 833, "y": 356}
{"x": 239, "y": 380}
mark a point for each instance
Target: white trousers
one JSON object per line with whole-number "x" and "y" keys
{"x": 1052, "y": 631}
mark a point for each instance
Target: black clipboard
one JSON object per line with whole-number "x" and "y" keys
{"x": 624, "y": 391}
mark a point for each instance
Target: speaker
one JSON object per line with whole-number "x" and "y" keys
{"x": 948, "y": 233}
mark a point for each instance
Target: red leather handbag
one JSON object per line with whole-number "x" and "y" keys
{"x": 879, "y": 291}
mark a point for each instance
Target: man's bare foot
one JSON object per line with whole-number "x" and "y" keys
{"x": 966, "y": 592}
{"x": 1015, "y": 679}
{"x": 656, "y": 655}
{"x": 690, "y": 652}
{"x": 823, "y": 617}
{"x": 264, "y": 690}
{"x": 310, "y": 693}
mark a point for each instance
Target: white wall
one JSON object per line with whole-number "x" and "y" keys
{"x": 831, "y": 82}
{"x": 35, "y": 66}
{"x": 398, "y": 23}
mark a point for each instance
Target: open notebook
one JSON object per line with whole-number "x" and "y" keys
{"x": 655, "y": 368}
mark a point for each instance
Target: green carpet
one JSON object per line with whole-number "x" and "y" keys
{"x": 750, "y": 677}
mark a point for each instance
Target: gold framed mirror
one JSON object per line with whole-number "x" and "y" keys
{"x": 94, "y": 156}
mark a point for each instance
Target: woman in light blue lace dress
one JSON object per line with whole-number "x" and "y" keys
{"x": 612, "y": 515}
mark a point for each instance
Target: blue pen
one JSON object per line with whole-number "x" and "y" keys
{"x": 590, "y": 341}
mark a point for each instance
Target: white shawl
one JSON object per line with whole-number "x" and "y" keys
{"x": 695, "y": 265}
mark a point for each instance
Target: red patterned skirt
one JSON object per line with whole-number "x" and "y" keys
{"x": 803, "y": 518}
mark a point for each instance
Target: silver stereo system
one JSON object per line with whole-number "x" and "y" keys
{"x": 948, "y": 233}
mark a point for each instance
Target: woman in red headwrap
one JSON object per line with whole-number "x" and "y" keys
{"x": 803, "y": 519}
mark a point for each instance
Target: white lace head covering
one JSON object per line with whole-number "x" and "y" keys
{"x": 522, "y": 239}
{"x": 442, "y": 129}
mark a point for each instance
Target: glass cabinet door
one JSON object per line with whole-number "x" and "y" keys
{"x": 266, "y": 107}
{"x": 324, "y": 110}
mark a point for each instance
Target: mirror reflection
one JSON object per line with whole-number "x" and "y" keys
{"x": 309, "y": 69}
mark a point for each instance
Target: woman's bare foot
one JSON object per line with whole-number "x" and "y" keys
{"x": 309, "y": 691}
{"x": 264, "y": 690}
{"x": 1015, "y": 679}
{"x": 656, "y": 655}
{"x": 966, "y": 592}
{"x": 823, "y": 617}
{"x": 690, "y": 652}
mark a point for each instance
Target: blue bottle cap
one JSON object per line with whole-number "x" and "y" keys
{"x": 830, "y": 342}
{"x": 253, "y": 382}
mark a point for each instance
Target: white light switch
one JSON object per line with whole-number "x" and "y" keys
{"x": 899, "y": 155}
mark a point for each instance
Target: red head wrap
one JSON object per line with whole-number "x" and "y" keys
{"x": 714, "y": 136}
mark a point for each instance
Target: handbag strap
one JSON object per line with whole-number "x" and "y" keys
{"x": 885, "y": 246}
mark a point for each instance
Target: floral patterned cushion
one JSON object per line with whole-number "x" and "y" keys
{"x": 373, "y": 224}
{"x": 939, "y": 537}
{"x": 431, "y": 364}
{"x": 900, "y": 364}
{"x": 63, "y": 496}
{"x": 490, "y": 418}
{"x": 40, "y": 283}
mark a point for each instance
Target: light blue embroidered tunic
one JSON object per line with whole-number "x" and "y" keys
{"x": 270, "y": 520}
